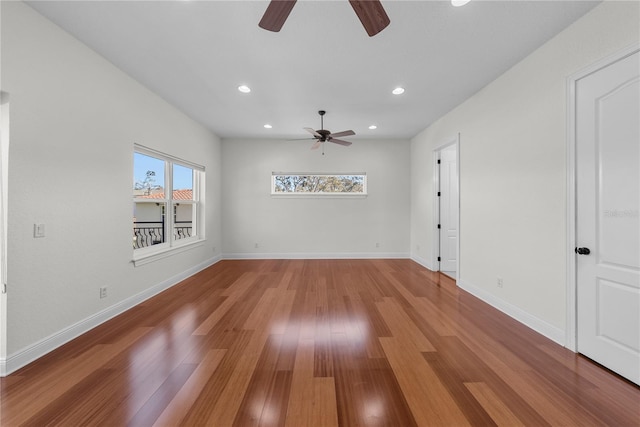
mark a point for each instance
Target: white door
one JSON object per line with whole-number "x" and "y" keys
{"x": 448, "y": 210}
{"x": 608, "y": 216}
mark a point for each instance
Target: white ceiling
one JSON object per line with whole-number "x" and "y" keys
{"x": 196, "y": 53}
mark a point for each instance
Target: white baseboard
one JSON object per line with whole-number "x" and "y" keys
{"x": 552, "y": 332}
{"x": 423, "y": 262}
{"x": 27, "y": 355}
{"x": 314, "y": 255}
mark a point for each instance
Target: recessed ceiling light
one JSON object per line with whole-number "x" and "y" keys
{"x": 458, "y": 3}
{"x": 268, "y": 126}
{"x": 372, "y": 127}
{"x": 244, "y": 89}
{"x": 398, "y": 91}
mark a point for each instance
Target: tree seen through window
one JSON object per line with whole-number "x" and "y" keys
{"x": 319, "y": 183}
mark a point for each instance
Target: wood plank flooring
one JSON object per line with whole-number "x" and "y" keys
{"x": 323, "y": 343}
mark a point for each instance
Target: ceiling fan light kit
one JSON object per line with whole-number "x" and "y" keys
{"x": 370, "y": 12}
{"x": 458, "y": 3}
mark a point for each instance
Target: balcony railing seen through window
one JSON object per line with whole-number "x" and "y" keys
{"x": 149, "y": 233}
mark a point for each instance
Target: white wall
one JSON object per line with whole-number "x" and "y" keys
{"x": 318, "y": 227}
{"x": 513, "y": 172}
{"x": 74, "y": 121}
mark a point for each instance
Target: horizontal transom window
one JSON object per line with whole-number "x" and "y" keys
{"x": 334, "y": 184}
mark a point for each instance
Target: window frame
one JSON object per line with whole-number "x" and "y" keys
{"x": 171, "y": 245}
{"x": 319, "y": 194}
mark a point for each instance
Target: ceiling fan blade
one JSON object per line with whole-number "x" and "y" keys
{"x": 313, "y": 132}
{"x": 343, "y": 133}
{"x": 316, "y": 145}
{"x": 371, "y": 14}
{"x": 339, "y": 141}
{"x": 276, "y": 14}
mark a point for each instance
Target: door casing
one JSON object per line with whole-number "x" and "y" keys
{"x": 4, "y": 175}
{"x": 436, "y": 202}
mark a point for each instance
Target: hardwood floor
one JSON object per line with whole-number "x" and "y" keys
{"x": 315, "y": 343}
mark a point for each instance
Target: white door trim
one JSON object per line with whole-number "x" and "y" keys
{"x": 454, "y": 140}
{"x": 572, "y": 310}
{"x": 4, "y": 176}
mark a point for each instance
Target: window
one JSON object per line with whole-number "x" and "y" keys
{"x": 167, "y": 202}
{"x": 318, "y": 184}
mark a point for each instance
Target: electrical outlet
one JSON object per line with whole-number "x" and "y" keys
{"x": 103, "y": 292}
{"x": 499, "y": 282}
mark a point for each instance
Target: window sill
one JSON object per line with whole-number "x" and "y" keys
{"x": 142, "y": 259}
{"x": 318, "y": 196}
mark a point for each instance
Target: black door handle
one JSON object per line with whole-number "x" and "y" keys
{"x": 583, "y": 251}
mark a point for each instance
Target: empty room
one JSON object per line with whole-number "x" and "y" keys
{"x": 320, "y": 213}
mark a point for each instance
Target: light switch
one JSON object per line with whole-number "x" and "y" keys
{"x": 38, "y": 230}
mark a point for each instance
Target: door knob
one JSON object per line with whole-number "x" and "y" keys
{"x": 583, "y": 251}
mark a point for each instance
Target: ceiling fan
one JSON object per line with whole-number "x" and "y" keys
{"x": 323, "y": 135}
{"x": 371, "y": 13}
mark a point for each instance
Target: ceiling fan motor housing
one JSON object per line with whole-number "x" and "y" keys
{"x": 325, "y": 134}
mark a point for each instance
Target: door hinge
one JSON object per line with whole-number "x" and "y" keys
{"x": 438, "y": 161}
{"x": 4, "y": 288}
{"x": 439, "y": 259}
{"x": 438, "y": 226}
{"x": 438, "y": 194}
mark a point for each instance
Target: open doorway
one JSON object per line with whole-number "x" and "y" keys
{"x": 447, "y": 205}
